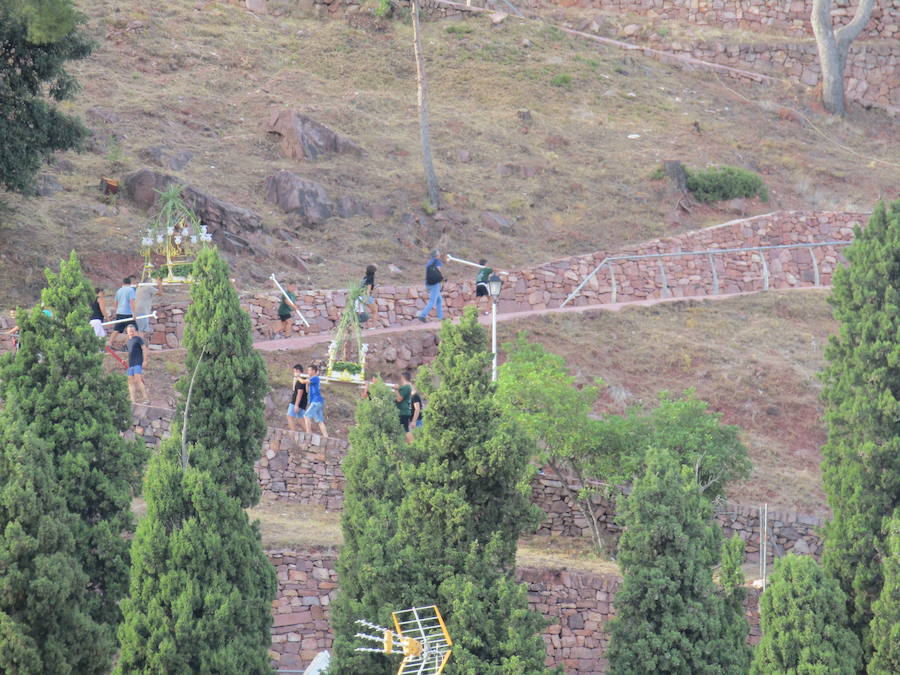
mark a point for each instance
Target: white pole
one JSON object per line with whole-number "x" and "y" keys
{"x": 470, "y": 263}
{"x": 288, "y": 298}
{"x": 494, "y": 338}
{"x": 765, "y": 542}
{"x": 135, "y": 318}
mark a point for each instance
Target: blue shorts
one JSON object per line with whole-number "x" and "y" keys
{"x": 293, "y": 411}
{"x": 135, "y": 370}
{"x": 370, "y": 300}
{"x": 316, "y": 412}
{"x": 419, "y": 422}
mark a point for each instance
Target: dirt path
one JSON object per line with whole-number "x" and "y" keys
{"x": 307, "y": 341}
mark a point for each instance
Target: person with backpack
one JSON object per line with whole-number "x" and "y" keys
{"x": 433, "y": 281}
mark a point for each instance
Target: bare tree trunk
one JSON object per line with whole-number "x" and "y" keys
{"x": 833, "y": 46}
{"x": 433, "y": 194}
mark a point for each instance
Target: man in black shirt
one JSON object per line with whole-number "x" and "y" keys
{"x": 297, "y": 406}
{"x": 137, "y": 359}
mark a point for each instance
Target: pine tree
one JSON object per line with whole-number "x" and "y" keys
{"x": 37, "y": 38}
{"x": 668, "y": 614}
{"x": 45, "y": 626}
{"x": 369, "y": 582}
{"x": 734, "y": 620}
{"x": 885, "y": 627}
{"x": 56, "y": 390}
{"x": 803, "y": 618}
{"x": 227, "y": 416}
{"x": 466, "y": 502}
{"x": 861, "y": 459}
{"x": 201, "y": 586}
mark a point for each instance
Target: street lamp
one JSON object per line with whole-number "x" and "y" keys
{"x": 495, "y": 285}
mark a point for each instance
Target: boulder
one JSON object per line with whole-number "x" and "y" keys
{"x": 305, "y": 139}
{"x": 306, "y": 200}
{"x": 496, "y": 222}
{"x": 142, "y": 187}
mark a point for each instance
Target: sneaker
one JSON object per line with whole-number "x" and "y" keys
{"x": 422, "y": 319}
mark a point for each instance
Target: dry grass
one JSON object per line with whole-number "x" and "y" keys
{"x": 205, "y": 77}
{"x": 753, "y": 358}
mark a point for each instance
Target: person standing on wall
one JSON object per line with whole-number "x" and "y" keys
{"x": 433, "y": 281}
{"x": 368, "y": 294}
{"x": 125, "y": 309}
{"x": 143, "y": 304}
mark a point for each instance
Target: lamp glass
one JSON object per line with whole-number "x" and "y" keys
{"x": 494, "y": 284}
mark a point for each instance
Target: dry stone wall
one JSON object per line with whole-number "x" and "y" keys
{"x": 577, "y": 606}
{"x": 547, "y": 285}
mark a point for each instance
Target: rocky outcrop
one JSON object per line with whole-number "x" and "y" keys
{"x": 303, "y": 138}
{"x": 142, "y": 187}
{"x": 306, "y": 201}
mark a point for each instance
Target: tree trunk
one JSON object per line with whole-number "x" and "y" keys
{"x": 833, "y": 46}
{"x": 430, "y": 178}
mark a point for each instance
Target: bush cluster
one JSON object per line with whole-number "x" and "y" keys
{"x": 725, "y": 182}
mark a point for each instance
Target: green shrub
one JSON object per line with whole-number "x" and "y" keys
{"x": 725, "y": 182}
{"x": 459, "y": 29}
{"x": 347, "y": 366}
{"x": 563, "y": 80}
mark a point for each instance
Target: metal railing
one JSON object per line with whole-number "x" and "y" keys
{"x": 709, "y": 253}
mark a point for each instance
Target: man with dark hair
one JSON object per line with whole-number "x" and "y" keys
{"x": 481, "y": 284}
{"x": 417, "y": 410}
{"x": 285, "y": 311}
{"x": 98, "y": 313}
{"x": 404, "y": 407}
{"x": 137, "y": 359}
{"x": 433, "y": 281}
{"x": 125, "y": 298}
{"x": 368, "y": 293}
{"x": 315, "y": 407}
{"x": 299, "y": 399}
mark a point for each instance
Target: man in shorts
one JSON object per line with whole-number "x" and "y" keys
{"x": 299, "y": 398}
{"x": 143, "y": 304}
{"x": 417, "y": 408}
{"x": 315, "y": 408}
{"x": 368, "y": 294}
{"x": 125, "y": 298}
{"x": 98, "y": 313}
{"x": 404, "y": 407}
{"x": 481, "y": 285}
{"x": 137, "y": 359}
{"x": 285, "y": 311}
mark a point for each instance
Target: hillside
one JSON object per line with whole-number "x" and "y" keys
{"x": 527, "y": 123}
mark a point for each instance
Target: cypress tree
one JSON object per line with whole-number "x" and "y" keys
{"x": 45, "y": 626}
{"x": 861, "y": 459}
{"x": 369, "y": 581}
{"x": 668, "y": 614}
{"x": 466, "y": 502}
{"x": 735, "y": 626}
{"x": 226, "y": 424}
{"x": 885, "y": 627}
{"x": 201, "y": 586}
{"x": 36, "y": 41}
{"x": 803, "y": 617}
{"x": 56, "y": 391}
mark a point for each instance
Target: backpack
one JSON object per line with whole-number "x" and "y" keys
{"x": 433, "y": 275}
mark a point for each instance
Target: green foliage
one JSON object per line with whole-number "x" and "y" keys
{"x": 861, "y": 459}
{"x": 227, "y": 415}
{"x": 347, "y": 366}
{"x": 803, "y": 618}
{"x": 201, "y": 587}
{"x": 45, "y": 624}
{"x": 370, "y": 581}
{"x": 464, "y": 500}
{"x": 177, "y": 270}
{"x": 37, "y": 37}
{"x": 58, "y": 395}
{"x": 734, "y": 622}
{"x": 459, "y": 29}
{"x": 669, "y": 619}
{"x": 562, "y": 80}
{"x": 725, "y": 182}
{"x": 885, "y": 626}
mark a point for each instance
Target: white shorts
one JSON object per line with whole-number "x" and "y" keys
{"x": 99, "y": 330}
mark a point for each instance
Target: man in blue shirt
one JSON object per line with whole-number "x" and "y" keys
{"x": 433, "y": 281}
{"x": 125, "y": 298}
{"x": 315, "y": 406}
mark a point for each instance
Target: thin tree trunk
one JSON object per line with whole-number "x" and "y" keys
{"x": 585, "y": 505}
{"x": 433, "y": 194}
{"x": 833, "y": 46}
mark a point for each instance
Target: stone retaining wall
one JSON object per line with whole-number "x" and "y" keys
{"x": 547, "y": 285}
{"x": 577, "y": 605}
{"x": 790, "y": 16}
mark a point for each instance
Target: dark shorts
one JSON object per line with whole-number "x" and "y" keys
{"x": 404, "y": 421}
{"x": 120, "y": 327}
{"x": 481, "y": 290}
{"x": 284, "y": 317}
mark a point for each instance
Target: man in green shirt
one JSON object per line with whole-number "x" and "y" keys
{"x": 404, "y": 407}
{"x": 481, "y": 284}
{"x": 285, "y": 310}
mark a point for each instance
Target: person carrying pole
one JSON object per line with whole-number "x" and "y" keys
{"x": 481, "y": 285}
{"x": 125, "y": 309}
{"x": 285, "y": 311}
{"x": 433, "y": 281}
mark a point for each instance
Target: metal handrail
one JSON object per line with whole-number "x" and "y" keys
{"x": 708, "y": 252}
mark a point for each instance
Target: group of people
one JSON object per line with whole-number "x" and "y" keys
{"x": 366, "y": 307}
{"x": 306, "y": 403}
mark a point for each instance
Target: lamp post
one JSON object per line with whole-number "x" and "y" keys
{"x": 495, "y": 285}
